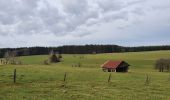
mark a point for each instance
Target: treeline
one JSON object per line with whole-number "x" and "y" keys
{"x": 80, "y": 49}
{"x": 26, "y": 51}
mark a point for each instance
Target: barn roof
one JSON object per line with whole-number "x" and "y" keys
{"x": 111, "y": 64}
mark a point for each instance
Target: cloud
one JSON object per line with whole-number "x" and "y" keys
{"x": 79, "y": 20}
{"x": 111, "y": 5}
{"x": 75, "y": 7}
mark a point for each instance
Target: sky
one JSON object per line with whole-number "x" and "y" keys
{"x": 27, "y": 23}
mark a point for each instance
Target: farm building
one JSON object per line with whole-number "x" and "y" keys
{"x": 115, "y": 66}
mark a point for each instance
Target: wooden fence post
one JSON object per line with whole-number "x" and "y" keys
{"x": 14, "y": 77}
{"x": 147, "y": 79}
{"x": 65, "y": 75}
{"x": 109, "y": 78}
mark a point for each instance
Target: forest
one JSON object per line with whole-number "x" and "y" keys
{"x": 80, "y": 49}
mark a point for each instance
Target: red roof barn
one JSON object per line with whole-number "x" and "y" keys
{"x": 115, "y": 66}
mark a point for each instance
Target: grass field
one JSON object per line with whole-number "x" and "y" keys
{"x": 36, "y": 81}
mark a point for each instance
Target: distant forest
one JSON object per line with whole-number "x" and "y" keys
{"x": 80, "y": 49}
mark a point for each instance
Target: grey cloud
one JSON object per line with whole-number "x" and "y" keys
{"x": 161, "y": 7}
{"x": 83, "y": 34}
{"x": 5, "y": 19}
{"x": 116, "y": 16}
{"x": 138, "y": 11}
{"x": 75, "y": 6}
{"x": 134, "y": 2}
{"x": 110, "y": 5}
{"x": 38, "y": 16}
{"x": 77, "y": 18}
{"x": 14, "y": 12}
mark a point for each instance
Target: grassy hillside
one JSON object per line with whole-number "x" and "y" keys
{"x": 36, "y": 81}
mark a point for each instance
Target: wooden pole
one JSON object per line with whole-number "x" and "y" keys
{"x": 109, "y": 78}
{"x": 65, "y": 75}
{"x": 147, "y": 79}
{"x": 14, "y": 77}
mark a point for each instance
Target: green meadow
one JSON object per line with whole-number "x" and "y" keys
{"x": 36, "y": 81}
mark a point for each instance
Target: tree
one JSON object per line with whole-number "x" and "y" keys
{"x": 162, "y": 65}
{"x": 54, "y": 58}
{"x": 10, "y": 57}
{"x": 6, "y": 57}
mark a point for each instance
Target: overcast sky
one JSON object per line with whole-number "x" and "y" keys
{"x": 66, "y": 22}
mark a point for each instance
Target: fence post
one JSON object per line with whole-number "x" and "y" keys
{"x": 147, "y": 80}
{"x": 65, "y": 75}
{"x": 14, "y": 77}
{"x": 109, "y": 78}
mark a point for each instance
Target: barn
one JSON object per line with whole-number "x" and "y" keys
{"x": 115, "y": 66}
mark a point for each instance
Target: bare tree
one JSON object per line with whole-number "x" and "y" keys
{"x": 6, "y": 57}
{"x": 54, "y": 57}
{"x": 162, "y": 65}
{"x": 10, "y": 57}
